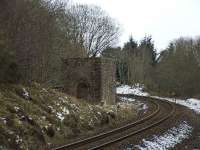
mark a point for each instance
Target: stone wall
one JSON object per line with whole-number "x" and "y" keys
{"x": 90, "y": 78}
{"x": 108, "y": 87}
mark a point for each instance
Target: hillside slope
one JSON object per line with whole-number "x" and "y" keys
{"x": 37, "y": 117}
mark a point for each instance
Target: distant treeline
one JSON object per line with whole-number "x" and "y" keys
{"x": 35, "y": 35}
{"x": 173, "y": 72}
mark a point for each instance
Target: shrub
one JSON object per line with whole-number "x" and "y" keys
{"x": 8, "y": 68}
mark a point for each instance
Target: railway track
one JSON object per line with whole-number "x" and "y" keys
{"x": 163, "y": 111}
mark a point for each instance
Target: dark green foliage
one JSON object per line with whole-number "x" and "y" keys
{"x": 147, "y": 45}
{"x": 121, "y": 66}
{"x": 9, "y": 72}
{"x": 135, "y": 61}
{"x": 50, "y": 131}
{"x": 131, "y": 44}
{"x": 177, "y": 71}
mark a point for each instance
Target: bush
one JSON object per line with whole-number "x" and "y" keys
{"x": 8, "y": 68}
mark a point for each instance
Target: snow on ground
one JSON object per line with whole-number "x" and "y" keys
{"x": 140, "y": 106}
{"x": 25, "y": 94}
{"x": 166, "y": 141}
{"x": 144, "y": 107}
{"x": 125, "y": 99}
{"x": 191, "y": 103}
{"x": 172, "y": 136}
{"x": 137, "y": 90}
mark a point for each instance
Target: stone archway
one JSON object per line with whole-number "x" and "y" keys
{"x": 83, "y": 90}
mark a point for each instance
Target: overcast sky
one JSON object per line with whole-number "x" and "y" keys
{"x": 165, "y": 20}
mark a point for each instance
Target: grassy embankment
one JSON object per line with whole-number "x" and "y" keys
{"x": 35, "y": 117}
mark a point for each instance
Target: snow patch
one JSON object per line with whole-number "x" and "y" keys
{"x": 52, "y": 109}
{"x": 138, "y": 104}
{"x": 18, "y": 139}
{"x": 44, "y": 90}
{"x": 25, "y": 93}
{"x": 144, "y": 107}
{"x": 168, "y": 140}
{"x": 16, "y": 108}
{"x": 191, "y": 103}
{"x": 136, "y": 90}
{"x": 61, "y": 109}
{"x": 3, "y": 119}
{"x": 44, "y": 117}
{"x": 60, "y": 116}
{"x": 65, "y": 111}
{"x": 63, "y": 100}
{"x": 124, "y": 99}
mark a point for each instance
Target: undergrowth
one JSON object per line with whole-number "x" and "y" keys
{"x": 36, "y": 117}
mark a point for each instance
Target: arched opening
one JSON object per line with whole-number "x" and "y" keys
{"x": 83, "y": 91}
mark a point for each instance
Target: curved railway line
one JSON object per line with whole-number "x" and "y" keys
{"x": 163, "y": 111}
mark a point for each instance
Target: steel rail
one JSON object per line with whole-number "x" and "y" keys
{"x": 109, "y": 133}
{"x": 137, "y": 131}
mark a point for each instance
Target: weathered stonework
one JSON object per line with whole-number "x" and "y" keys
{"x": 92, "y": 79}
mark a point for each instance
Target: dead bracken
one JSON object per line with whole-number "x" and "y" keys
{"x": 50, "y": 117}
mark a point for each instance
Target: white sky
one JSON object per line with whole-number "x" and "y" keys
{"x": 165, "y": 20}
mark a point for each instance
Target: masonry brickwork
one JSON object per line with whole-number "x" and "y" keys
{"x": 92, "y": 79}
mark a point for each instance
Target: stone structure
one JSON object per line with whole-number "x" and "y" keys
{"x": 92, "y": 79}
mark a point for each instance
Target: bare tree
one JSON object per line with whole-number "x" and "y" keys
{"x": 93, "y": 29}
